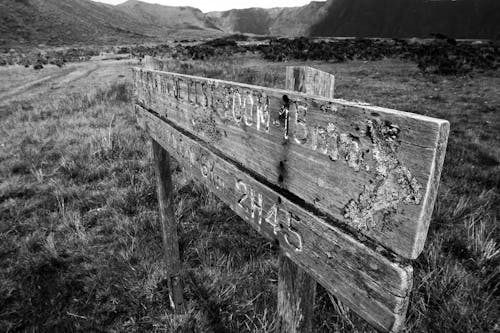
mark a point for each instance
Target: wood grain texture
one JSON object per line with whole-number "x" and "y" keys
{"x": 433, "y": 185}
{"x": 169, "y": 227}
{"x": 296, "y": 293}
{"x": 310, "y": 81}
{"x": 372, "y": 169}
{"x": 370, "y": 284}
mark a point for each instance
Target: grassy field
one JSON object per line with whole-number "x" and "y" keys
{"x": 80, "y": 241}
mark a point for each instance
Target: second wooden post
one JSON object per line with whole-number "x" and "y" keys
{"x": 296, "y": 289}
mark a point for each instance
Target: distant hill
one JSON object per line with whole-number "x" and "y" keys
{"x": 297, "y": 21}
{"x": 58, "y": 22}
{"x": 249, "y": 20}
{"x": 65, "y": 22}
{"x": 292, "y": 21}
{"x": 477, "y": 19}
{"x": 165, "y": 19}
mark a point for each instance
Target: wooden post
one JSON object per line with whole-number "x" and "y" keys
{"x": 296, "y": 289}
{"x": 310, "y": 81}
{"x": 169, "y": 226}
{"x": 165, "y": 191}
{"x": 296, "y": 292}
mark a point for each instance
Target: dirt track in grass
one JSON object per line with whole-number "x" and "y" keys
{"x": 49, "y": 78}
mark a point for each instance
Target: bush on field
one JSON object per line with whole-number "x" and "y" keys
{"x": 445, "y": 57}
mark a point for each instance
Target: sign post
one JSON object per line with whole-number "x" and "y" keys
{"x": 165, "y": 191}
{"x": 336, "y": 184}
{"x": 296, "y": 288}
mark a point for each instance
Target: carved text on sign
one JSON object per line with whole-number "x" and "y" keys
{"x": 248, "y": 199}
{"x": 353, "y": 162}
{"x": 252, "y": 109}
{"x": 306, "y": 170}
{"x": 278, "y": 218}
{"x": 371, "y": 148}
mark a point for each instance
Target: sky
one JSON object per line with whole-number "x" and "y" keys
{"x": 216, "y": 5}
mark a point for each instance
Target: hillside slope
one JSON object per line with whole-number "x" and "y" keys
{"x": 65, "y": 22}
{"x": 477, "y": 19}
{"x": 248, "y": 20}
{"x": 58, "y": 22}
{"x": 410, "y": 18}
{"x": 166, "y": 18}
{"x": 290, "y": 21}
{"x": 297, "y": 21}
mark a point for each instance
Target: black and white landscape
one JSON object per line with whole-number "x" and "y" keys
{"x": 350, "y": 188}
{"x": 73, "y": 21}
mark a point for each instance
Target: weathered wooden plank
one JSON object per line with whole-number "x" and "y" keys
{"x": 370, "y": 284}
{"x": 371, "y": 168}
{"x": 169, "y": 227}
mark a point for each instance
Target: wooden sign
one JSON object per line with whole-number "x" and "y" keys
{"x": 346, "y": 190}
{"x": 373, "y": 169}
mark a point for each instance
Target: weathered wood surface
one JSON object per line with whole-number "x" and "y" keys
{"x": 373, "y": 169}
{"x": 296, "y": 293}
{"x": 169, "y": 227}
{"x": 296, "y": 288}
{"x": 310, "y": 80}
{"x": 370, "y": 284}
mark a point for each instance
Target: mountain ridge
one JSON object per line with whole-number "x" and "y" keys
{"x": 282, "y": 21}
{"x": 53, "y": 22}
{"x": 166, "y": 17}
{"x": 58, "y": 22}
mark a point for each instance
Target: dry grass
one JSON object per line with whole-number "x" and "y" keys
{"x": 80, "y": 239}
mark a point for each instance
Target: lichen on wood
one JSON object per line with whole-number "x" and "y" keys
{"x": 206, "y": 125}
{"x": 392, "y": 185}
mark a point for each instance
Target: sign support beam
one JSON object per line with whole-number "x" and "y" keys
{"x": 165, "y": 191}
{"x": 296, "y": 288}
